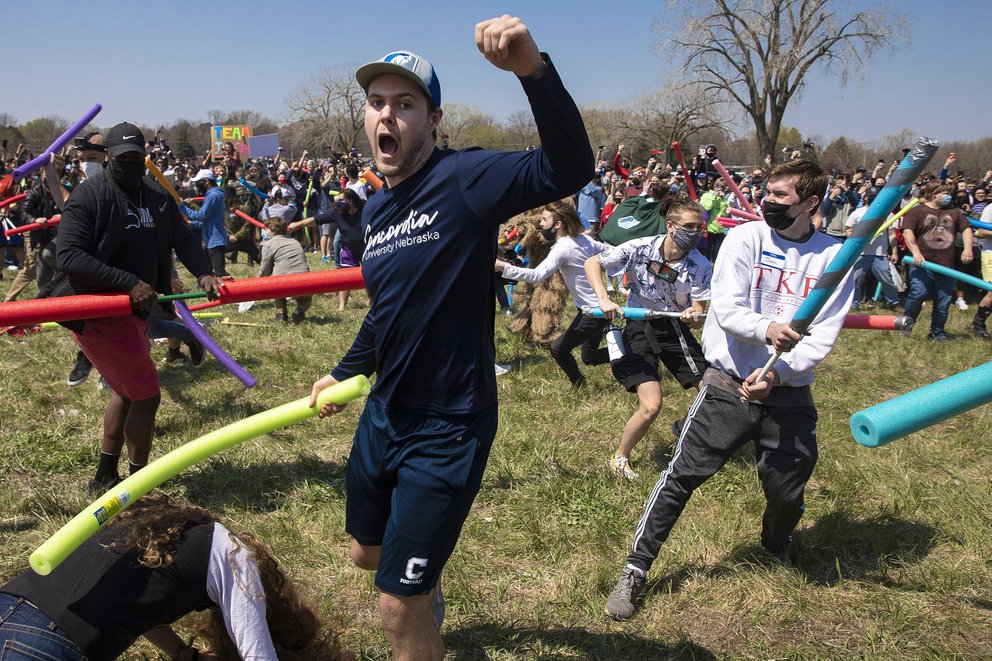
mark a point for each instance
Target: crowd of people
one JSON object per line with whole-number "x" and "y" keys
{"x": 424, "y": 227}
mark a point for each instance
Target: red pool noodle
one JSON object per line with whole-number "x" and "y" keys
{"x": 744, "y": 214}
{"x": 94, "y": 306}
{"x": 12, "y": 200}
{"x": 30, "y": 227}
{"x": 65, "y": 308}
{"x": 874, "y": 322}
{"x": 245, "y": 217}
{"x": 205, "y": 306}
{"x": 730, "y": 182}
{"x": 293, "y": 284}
{"x": 685, "y": 173}
{"x": 728, "y": 222}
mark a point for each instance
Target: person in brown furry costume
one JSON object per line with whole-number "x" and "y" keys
{"x": 541, "y": 305}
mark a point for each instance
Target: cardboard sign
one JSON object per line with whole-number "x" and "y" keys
{"x": 236, "y": 135}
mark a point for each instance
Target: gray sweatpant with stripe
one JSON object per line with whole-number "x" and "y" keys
{"x": 717, "y": 426}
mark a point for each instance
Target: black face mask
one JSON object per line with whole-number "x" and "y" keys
{"x": 549, "y": 234}
{"x": 777, "y": 215}
{"x": 127, "y": 174}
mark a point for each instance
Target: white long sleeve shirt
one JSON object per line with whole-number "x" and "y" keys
{"x": 568, "y": 255}
{"x": 760, "y": 277}
{"x": 233, "y": 584}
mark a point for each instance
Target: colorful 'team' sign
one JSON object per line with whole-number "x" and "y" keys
{"x": 236, "y": 135}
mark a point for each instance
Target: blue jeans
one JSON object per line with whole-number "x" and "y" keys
{"x": 925, "y": 285}
{"x": 165, "y": 328}
{"x": 879, "y": 267}
{"x": 27, "y": 633}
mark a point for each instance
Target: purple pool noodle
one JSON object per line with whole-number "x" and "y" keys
{"x": 59, "y": 143}
{"x": 222, "y": 356}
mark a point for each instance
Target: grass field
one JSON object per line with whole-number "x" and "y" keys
{"x": 893, "y": 558}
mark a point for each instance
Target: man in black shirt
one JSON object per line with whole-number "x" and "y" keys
{"x": 424, "y": 438}
{"x": 117, "y": 234}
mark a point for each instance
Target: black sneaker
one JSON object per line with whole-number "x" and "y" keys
{"x": 175, "y": 357}
{"x": 98, "y": 487}
{"x": 281, "y": 317}
{"x": 80, "y": 371}
{"x": 622, "y": 602}
{"x": 196, "y": 354}
{"x": 780, "y": 556}
{"x": 299, "y": 316}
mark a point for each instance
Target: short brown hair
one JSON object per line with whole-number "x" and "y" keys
{"x": 810, "y": 179}
{"x": 682, "y": 206}
{"x": 276, "y": 226}
{"x": 566, "y": 214}
{"x": 930, "y": 189}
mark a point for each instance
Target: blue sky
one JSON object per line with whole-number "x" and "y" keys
{"x": 153, "y": 62}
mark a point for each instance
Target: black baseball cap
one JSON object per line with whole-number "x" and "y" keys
{"x": 123, "y": 138}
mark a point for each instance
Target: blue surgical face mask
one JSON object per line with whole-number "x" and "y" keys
{"x": 342, "y": 204}
{"x": 945, "y": 200}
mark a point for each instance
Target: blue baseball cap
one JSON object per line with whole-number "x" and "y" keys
{"x": 403, "y": 63}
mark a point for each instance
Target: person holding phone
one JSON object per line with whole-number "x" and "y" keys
{"x": 666, "y": 274}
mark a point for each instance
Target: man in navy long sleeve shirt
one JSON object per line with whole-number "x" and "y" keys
{"x": 209, "y": 219}
{"x": 427, "y": 428}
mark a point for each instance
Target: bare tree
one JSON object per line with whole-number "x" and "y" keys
{"x": 677, "y": 112}
{"x": 758, "y": 52}
{"x": 459, "y": 121}
{"x": 328, "y": 109}
{"x": 521, "y": 131}
{"x": 41, "y": 132}
{"x": 6, "y": 119}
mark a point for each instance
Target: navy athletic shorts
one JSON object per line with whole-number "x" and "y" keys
{"x": 411, "y": 483}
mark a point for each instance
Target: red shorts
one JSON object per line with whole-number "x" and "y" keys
{"x": 119, "y": 348}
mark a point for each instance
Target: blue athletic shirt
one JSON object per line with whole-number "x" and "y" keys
{"x": 430, "y": 244}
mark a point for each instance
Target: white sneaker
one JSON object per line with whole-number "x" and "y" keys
{"x": 962, "y": 305}
{"x": 502, "y": 369}
{"x": 620, "y": 466}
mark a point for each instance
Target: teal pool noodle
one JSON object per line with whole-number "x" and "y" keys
{"x": 951, "y": 273}
{"x": 921, "y": 408}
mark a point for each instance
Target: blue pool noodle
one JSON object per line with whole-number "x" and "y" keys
{"x": 951, "y": 273}
{"x": 919, "y": 409}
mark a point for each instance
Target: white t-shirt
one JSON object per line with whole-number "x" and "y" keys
{"x": 986, "y": 244}
{"x": 360, "y": 189}
{"x": 568, "y": 255}
{"x": 649, "y": 291}
{"x": 233, "y": 584}
{"x": 878, "y": 247}
{"x": 760, "y": 277}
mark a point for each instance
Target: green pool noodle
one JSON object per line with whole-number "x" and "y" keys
{"x": 918, "y": 409}
{"x": 57, "y": 548}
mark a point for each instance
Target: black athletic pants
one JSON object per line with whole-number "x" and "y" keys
{"x": 717, "y": 425}
{"x": 584, "y": 330}
{"x": 216, "y": 256}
